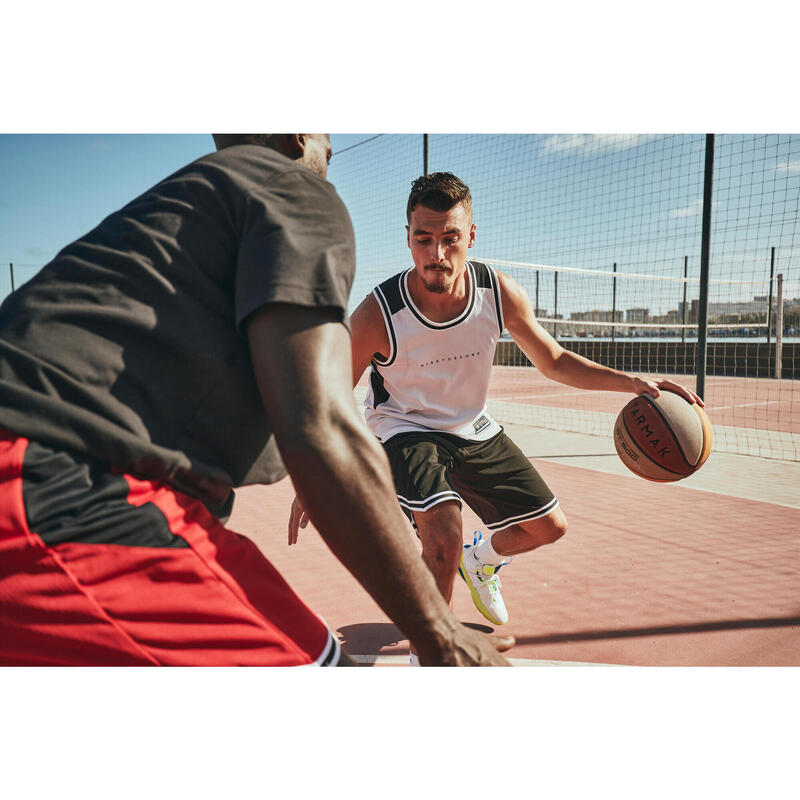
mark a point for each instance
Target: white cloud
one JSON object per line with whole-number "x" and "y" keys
{"x": 792, "y": 167}
{"x": 593, "y": 142}
{"x": 688, "y": 211}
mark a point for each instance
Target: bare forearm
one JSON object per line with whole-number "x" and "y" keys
{"x": 575, "y": 370}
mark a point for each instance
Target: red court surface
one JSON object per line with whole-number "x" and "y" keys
{"x": 758, "y": 403}
{"x": 648, "y": 574}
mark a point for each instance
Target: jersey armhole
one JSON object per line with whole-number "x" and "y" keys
{"x": 387, "y": 321}
{"x": 498, "y": 299}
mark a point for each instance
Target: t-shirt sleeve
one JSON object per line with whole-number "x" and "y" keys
{"x": 296, "y": 247}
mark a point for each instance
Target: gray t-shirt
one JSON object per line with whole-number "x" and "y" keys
{"x": 130, "y": 346}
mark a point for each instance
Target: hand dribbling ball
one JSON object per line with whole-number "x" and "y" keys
{"x": 663, "y": 438}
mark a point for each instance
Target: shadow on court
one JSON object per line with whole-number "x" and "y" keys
{"x": 368, "y": 638}
{"x": 661, "y": 630}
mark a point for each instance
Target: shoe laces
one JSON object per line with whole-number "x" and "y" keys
{"x": 493, "y": 584}
{"x": 486, "y": 573}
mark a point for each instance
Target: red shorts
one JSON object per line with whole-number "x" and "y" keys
{"x": 98, "y": 569}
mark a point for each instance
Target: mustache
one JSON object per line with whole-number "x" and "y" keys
{"x": 438, "y": 267}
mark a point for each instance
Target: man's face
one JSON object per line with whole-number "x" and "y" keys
{"x": 317, "y": 152}
{"x": 439, "y": 241}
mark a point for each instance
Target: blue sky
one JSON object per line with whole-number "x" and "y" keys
{"x": 54, "y": 188}
{"x": 562, "y": 199}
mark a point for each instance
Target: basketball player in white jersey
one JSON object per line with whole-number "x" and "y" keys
{"x": 429, "y": 335}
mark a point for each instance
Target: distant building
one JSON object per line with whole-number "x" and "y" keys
{"x": 595, "y": 316}
{"x": 637, "y": 315}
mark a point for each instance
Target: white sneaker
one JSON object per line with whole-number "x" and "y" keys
{"x": 483, "y": 583}
{"x": 413, "y": 660}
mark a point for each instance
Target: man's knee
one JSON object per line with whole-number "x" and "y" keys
{"x": 546, "y": 530}
{"x": 557, "y": 525}
{"x": 440, "y": 532}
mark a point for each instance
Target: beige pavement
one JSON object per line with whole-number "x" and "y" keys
{"x": 752, "y": 478}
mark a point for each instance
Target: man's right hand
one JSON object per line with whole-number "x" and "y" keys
{"x": 297, "y": 519}
{"x": 463, "y": 648}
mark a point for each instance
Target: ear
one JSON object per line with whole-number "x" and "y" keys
{"x": 408, "y": 236}
{"x": 292, "y": 145}
{"x": 472, "y": 233}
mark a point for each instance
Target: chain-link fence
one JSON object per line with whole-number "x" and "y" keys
{"x": 605, "y": 233}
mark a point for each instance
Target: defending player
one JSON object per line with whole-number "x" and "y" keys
{"x": 194, "y": 341}
{"x": 429, "y": 333}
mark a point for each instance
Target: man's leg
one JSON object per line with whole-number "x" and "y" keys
{"x": 521, "y": 513}
{"x": 439, "y": 530}
{"x": 526, "y": 536}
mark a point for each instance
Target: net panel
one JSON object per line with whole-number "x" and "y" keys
{"x": 374, "y": 179}
{"x": 604, "y": 233}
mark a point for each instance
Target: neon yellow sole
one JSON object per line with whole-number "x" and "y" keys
{"x": 476, "y": 598}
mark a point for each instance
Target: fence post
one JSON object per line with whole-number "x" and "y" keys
{"x": 425, "y": 155}
{"x": 11, "y": 268}
{"x": 705, "y": 252}
{"x": 779, "y": 328}
{"x": 614, "y": 305}
{"x": 685, "y": 276}
{"x": 769, "y": 301}
{"x": 555, "y": 304}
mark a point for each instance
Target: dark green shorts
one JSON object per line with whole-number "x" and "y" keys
{"x": 494, "y": 477}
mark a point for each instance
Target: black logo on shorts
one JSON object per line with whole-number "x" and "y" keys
{"x": 481, "y": 423}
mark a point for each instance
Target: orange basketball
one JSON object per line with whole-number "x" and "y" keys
{"x": 663, "y": 438}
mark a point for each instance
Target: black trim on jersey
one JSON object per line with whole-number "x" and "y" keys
{"x": 482, "y": 277}
{"x": 473, "y": 291}
{"x": 386, "y": 311}
{"x": 379, "y": 393}
{"x": 69, "y": 499}
{"x": 390, "y": 289}
{"x": 498, "y": 306}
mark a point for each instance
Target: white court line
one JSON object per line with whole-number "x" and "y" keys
{"x": 402, "y": 660}
{"x": 744, "y": 405}
{"x": 575, "y": 393}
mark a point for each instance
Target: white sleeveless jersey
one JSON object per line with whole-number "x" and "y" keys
{"x": 436, "y": 374}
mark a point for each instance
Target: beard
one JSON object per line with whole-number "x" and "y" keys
{"x": 439, "y": 285}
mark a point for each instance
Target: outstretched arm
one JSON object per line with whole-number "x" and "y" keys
{"x": 368, "y": 337}
{"x": 564, "y": 366}
{"x": 302, "y": 362}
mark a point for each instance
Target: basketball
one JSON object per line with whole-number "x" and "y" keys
{"x": 663, "y": 438}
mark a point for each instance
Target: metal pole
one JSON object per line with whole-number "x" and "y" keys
{"x": 685, "y": 275}
{"x": 614, "y": 304}
{"x": 11, "y": 267}
{"x": 779, "y": 328}
{"x": 425, "y": 155}
{"x": 705, "y": 253}
{"x": 536, "y": 309}
{"x": 769, "y": 302}
{"x": 555, "y": 303}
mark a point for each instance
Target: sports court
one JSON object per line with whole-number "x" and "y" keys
{"x": 702, "y": 572}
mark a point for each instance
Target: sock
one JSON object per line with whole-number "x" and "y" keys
{"x": 487, "y": 555}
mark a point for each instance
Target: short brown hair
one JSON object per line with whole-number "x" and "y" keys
{"x": 439, "y": 191}
{"x": 223, "y": 140}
